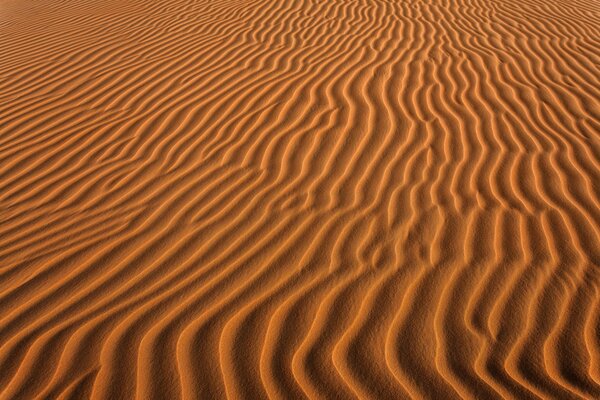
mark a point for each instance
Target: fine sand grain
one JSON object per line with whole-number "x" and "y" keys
{"x": 287, "y": 199}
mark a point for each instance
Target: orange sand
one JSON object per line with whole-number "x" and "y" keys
{"x": 287, "y": 199}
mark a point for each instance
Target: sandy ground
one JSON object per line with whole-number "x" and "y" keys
{"x": 287, "y": 199}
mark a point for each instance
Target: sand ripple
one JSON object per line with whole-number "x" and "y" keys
{"x": 299, "y": 199}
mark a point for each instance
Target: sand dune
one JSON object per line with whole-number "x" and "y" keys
{"x": 333, "y": 199}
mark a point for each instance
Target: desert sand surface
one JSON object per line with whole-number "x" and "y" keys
{"x": 289, "y": 199}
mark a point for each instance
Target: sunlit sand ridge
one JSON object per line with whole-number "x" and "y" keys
{"x": 287, "y": 199}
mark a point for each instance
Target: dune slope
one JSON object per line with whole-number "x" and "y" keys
{"x": 250, "y": 199}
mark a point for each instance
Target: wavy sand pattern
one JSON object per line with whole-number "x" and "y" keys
{"x": 333, "y": 199}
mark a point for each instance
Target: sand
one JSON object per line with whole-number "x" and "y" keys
{"x": 325, "y": 199}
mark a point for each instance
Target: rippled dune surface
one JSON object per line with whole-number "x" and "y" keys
{"x": 287, "y": 199}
